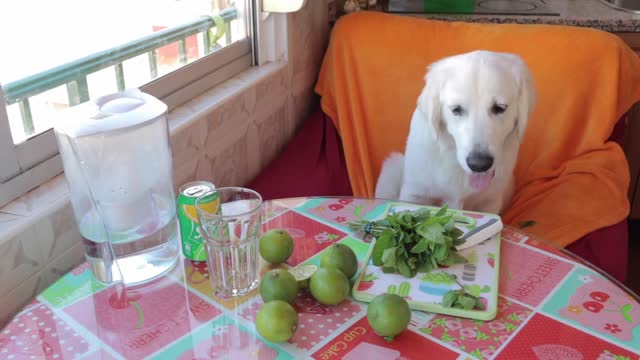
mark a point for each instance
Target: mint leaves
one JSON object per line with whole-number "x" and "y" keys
{"x": 411, "y": 242}
{"x": 461, "y": 299}
{"x": 526, "y": 224}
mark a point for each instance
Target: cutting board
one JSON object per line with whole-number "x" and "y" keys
{"x": 425, "y": 291}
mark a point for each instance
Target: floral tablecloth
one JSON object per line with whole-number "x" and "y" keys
{"x": 550, "y": 306}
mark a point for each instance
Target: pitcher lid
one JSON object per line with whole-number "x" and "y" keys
{"x": 111, "y": 112}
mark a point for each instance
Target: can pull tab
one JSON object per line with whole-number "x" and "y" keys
{"x": 118, "y": 103}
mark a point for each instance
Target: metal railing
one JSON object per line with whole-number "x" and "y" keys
{"x": 74, "y": 74}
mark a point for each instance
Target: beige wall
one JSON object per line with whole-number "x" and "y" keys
{"x": 226, "y": 143}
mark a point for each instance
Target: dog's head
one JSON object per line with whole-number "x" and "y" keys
{"x": 481, "y": 101}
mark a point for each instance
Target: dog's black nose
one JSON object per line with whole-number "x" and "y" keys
{"x": 479, "y": 161}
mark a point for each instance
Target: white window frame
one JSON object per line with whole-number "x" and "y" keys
{"x": 27, "y": 165}
{"x": 8, "y": 161}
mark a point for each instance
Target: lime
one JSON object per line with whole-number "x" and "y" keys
{"x": 388, "y": 315}
{"x": 341, "y": 257}
{"x": 303, "y": 273}
{"x": 277, "y": 321}
{"x": 276, "y": 246}
{"x": 278, "y": 284}
{"x": 329, "y": 286}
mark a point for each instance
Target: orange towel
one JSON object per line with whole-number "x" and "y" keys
{"x": 569, "y": 179}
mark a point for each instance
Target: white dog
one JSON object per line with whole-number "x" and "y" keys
{"x": 465, "y": 134}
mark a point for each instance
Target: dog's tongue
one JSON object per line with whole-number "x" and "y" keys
{"x": 481, "y": 181}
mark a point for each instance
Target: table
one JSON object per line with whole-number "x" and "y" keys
{"x": 551, "y": 306}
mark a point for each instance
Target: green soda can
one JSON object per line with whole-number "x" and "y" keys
{"x": 192, "y": 241}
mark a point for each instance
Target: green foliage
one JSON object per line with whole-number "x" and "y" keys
{"x": 461, "y": 298}
{"x": 411, "y": 242}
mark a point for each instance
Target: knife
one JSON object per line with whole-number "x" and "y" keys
{"x": 481, "y": 233}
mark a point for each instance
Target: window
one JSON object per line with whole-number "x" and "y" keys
{"x": 57, "y": 54}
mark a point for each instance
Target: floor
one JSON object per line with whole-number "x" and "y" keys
{"x": 633, "y": 277}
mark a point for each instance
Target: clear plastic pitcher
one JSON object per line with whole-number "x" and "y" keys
{"x": 117, "y": 162}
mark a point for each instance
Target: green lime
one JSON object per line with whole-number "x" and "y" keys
{"x": 341, "y": 257}
{"x": 388, "y": 315}
{"x": 329, "y": 286}
{"x": 279, "y": 284}
{"x": 277, "y": 321}
{"x": 303, "y": 273}
{"x": 275, "y": 246}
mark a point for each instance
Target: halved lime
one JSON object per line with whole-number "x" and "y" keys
{"x": 302, "y": 273}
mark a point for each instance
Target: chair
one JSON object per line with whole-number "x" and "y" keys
{"x": 321, "y": 159}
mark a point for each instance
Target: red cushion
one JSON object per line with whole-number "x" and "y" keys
{"x": 313, "y": 164}
{"x": 606, "y": 248}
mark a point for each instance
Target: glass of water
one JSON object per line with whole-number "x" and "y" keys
{"x": 231, "y": 232}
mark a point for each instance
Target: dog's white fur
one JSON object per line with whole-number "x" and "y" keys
{"x": 434, "y": 168}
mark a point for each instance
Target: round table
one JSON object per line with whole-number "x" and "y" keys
{"x": 550, "y": 306}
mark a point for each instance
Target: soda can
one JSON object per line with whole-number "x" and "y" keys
{"x": 192, "y": 241}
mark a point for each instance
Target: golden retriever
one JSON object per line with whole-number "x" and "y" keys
{"x": 465, "y": 134}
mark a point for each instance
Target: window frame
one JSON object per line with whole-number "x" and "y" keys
{"x": 28, "y": 164}
{"x": 9, "y": 167}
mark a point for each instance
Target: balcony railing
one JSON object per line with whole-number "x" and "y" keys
{"x": 74, "y": 74}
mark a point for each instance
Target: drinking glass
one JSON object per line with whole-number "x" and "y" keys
{"x": 231, "y": 232}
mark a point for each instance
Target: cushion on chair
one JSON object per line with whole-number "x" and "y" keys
{"x": 608, "y": 247}
{"x": 312, "y": 164}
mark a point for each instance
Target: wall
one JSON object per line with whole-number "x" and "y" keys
{"x": 225, "y": 136}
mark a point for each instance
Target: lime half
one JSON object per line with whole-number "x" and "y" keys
{"x": 302, "y": 274}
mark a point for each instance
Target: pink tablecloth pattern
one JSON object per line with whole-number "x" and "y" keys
{"x": 551, "y": 306}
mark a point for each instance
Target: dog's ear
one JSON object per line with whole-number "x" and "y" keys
{"x": 526, "y": 95}
{"x": 429, "y": 99}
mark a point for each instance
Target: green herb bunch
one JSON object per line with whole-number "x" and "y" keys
{"x": 411, "y": 242}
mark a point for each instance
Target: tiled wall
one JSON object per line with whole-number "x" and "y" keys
{"x": 228, "y": 144}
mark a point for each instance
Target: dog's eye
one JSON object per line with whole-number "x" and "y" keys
{"x": 457, "y": 110}
{"x": 498, "y": 109}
